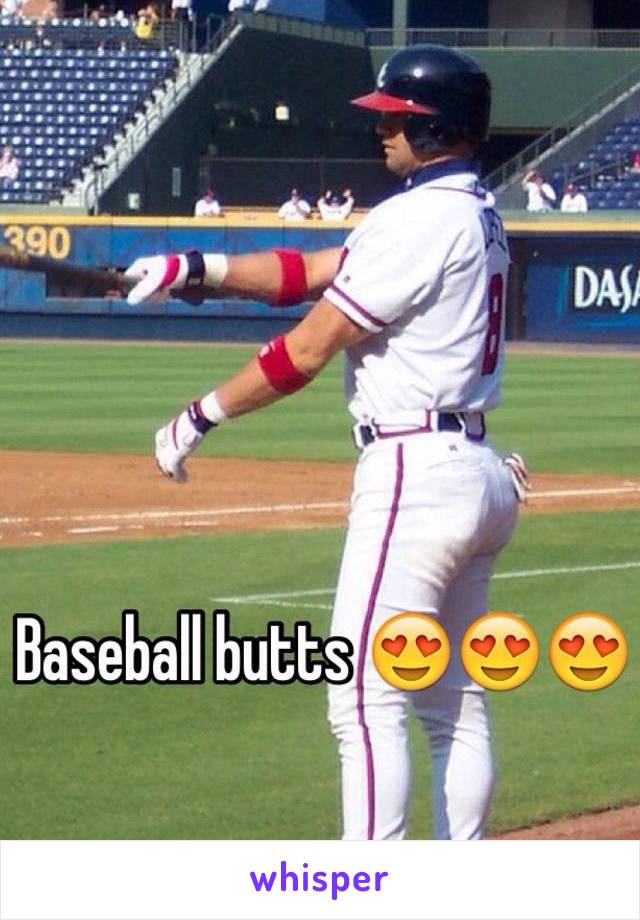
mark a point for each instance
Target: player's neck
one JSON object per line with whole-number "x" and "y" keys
{"x": 438, "y": 168}
{"x": 420, "y": 160}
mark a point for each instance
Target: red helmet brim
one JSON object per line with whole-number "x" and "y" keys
{"x": 383, "y": 102}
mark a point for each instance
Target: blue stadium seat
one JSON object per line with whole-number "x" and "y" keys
{"x": 59, "y": 105}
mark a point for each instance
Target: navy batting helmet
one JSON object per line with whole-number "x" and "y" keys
{"x": 446, "y": 95}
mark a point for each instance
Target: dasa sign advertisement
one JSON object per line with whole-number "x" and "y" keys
{"x": 605, "y": 289}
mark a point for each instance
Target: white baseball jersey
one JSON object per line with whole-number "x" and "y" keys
{"x": 426, "y": 270}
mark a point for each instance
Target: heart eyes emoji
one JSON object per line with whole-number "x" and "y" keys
{"x": 603, "y": 646}
{"x": 397, "y": 646}
{"x": 485, "y": 646}
{"x": 428, "y": 646}
{"x": 571, "y": 646}
{"x": 499, "y": 651}
{"x": 394, "y": 646}
{"x": 588, "y": 651}
{"x": 411, "y": 651}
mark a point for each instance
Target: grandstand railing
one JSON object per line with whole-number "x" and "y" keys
{"x": 534, "y": 151}
{"x": 105, "y": 169}
{"x": 599, "y": 177}
{"x": 301, "y": 28}
{"x": 507, "y": 38}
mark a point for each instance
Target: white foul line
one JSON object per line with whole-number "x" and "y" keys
{"x": 164, "y": 515}
{"x": 568, "y": 570}
{"x": 110, "y": 529}
{"x": 277, "y": 598}
{"x": 281, "y": 594}
{"x": 572, "y": 493}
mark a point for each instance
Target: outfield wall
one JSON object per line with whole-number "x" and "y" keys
{"x": 575, "y": 278}
{"x": 571, "y": 280}
{"x": 27, "y": 308}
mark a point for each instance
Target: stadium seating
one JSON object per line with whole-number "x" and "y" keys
{"x": 60, "y": 105}
{"x": 605, "y": 173}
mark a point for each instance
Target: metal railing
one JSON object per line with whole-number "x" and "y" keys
{"x": 302, "y": 28}
{"x": 508, "y": 38}
{"x": 107, "y": 168}
{"x": 577, "y": 119}
{"x": 599, "y": 176}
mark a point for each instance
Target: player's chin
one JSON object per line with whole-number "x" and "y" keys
{"x": 387, "y": 156}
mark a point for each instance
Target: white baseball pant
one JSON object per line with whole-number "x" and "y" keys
{"x": 429, "y": 514}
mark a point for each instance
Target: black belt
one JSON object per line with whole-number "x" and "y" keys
{"x": 364, "y": 435}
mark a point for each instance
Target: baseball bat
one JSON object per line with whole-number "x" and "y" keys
{"x": 90, "y": 281}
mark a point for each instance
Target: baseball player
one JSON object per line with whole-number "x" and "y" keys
{"x": 415, "y": 298}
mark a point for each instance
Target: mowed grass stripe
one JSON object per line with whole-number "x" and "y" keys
{"x": 565, "y": 413}
{"x": 242, "y": 761}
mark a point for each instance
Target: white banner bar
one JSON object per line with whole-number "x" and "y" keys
{"x": 319, "y": 880}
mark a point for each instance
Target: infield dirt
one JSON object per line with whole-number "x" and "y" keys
{"x": 70, "y": 497}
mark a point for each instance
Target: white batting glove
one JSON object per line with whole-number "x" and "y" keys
{"x": 178, "y": 440}
{"x": 157, "y": 276}
{"x": 519, "y": 476}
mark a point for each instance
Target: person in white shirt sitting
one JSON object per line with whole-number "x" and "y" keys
{"x": 296, "y": 208}
{"x": 573, "y": 201}
{"x": 540, "y": 195}
{"x": 208, "y": 205}
{"x": 9, "y": 166}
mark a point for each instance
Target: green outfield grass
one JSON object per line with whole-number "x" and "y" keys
{"x": 216, "y": 762}
{"x": 573, "y": 413}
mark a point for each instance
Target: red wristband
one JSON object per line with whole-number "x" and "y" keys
{"x": 279, "y": 369}
{"x": 293, "y": 287}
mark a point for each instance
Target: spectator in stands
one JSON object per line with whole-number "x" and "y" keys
{"x": 573, "y": 201}
{"x": 635, "y": 163}
{"x": 332, "y": 207}
{"x": 11, "y": 7}
{"x": 540, "y": 195}
{"x": 146, "y": 21}
{"x": 182, "y": 15}
{"x": 329, "y": 206}
{"x": 208, "y": 205}
{"x": 9, "y": 166}
{"x": 348, "y": 201}
{"x": 98, "y": 12}
{"x": 181, "y": 10}
{"x": 296, "y": 208}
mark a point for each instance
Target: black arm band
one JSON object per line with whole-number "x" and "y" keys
{"x": 196, "y": 269}
{"x": 199, "y": 421}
